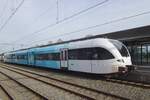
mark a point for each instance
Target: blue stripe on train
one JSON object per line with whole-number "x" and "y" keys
{"x": 48, "y": 64}
{"x": 21, "y": 62}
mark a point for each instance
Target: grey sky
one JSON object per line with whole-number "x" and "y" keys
{"x": 36, "y": 14}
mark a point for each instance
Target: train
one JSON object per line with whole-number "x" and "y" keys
{"x": 95, "y": 56}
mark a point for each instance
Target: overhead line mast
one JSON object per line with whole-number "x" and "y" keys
{"x": 57, "y": 18}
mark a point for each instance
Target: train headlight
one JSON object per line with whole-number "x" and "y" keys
{"x": 120, "y": 60}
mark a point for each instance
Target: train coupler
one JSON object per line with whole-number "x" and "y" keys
{"x": 131, "y": 67}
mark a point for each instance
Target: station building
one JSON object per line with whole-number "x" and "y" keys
{"x": 138, "y": 42}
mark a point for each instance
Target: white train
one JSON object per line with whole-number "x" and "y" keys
{"x": 100, "y": 56}
{"x": 97, "y": 56}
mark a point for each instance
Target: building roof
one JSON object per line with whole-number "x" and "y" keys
{"x": 130, "y": 34}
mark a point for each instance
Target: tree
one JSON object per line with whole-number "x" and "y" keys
{"x": 50, "y": 42}
{"x": 59, "y": 40}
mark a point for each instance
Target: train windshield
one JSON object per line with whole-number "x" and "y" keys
{"x": 122, "y": 49}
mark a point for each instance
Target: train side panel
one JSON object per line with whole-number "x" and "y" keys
{"x": 21, "y": 57}
{"x": 48, "y": 64}
{"x": 44, "y": 57}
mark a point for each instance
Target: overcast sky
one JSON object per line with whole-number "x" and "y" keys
{"x": 24, "y": 28}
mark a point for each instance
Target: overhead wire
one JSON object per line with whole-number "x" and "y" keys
{"x": 57, "y": 16}
{"x": 95, "y": 26}
{"x": 3, "y": 10}
{"x": 63, "y": 20}
{"x": 85, "y": 10}
{"x": 41, "y": 14}
{"x": 9, "y": 18}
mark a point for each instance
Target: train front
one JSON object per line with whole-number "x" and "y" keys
{"x": 123, "y": 57}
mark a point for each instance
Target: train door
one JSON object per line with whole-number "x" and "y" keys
{"x": 31, "y": 58}
{"x": 64, "y": 59}
{"x": 97, "y": 62}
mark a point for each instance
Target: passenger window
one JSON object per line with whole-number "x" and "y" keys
{"x": 80, "y": 54}
{"x": 73, "y": 54}
{"x": 101, "y": 54}
{"x": 95, "y": 56}
{"x": 48, "y": 56}
{"x": 23, "y": 57}
{"x": 96, "y": 53}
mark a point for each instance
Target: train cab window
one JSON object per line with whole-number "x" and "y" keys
{"x": 122, "y": 49}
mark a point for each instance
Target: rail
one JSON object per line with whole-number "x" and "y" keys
{"x": 62, "y": 81}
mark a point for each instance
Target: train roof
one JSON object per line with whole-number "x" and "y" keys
{"x": 81, "y": 39}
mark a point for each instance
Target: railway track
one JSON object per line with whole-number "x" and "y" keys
{"x": 6, "y": 94}
{"x": 45, "y": 98}
{"x": 12, "y": 96}
{"x": 82, "y": 91}
{"x": 131, "y": 83}
{"x": 119, "y": 81}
